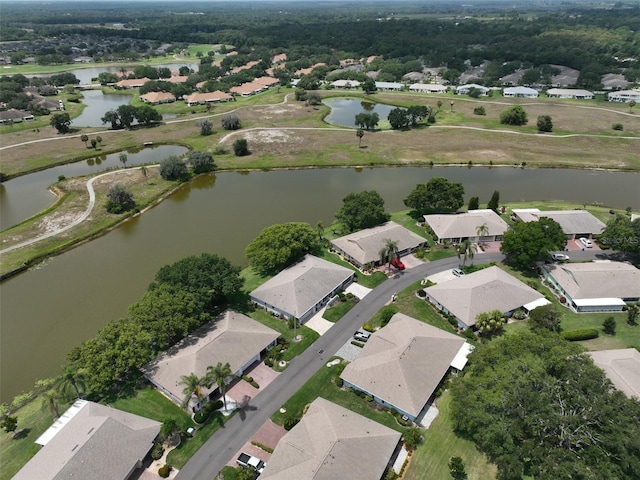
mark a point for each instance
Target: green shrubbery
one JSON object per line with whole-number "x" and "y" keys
{"x": 583, "y": 334}
{"x": 250, "y": 381}
{"x": 165, "y": 470}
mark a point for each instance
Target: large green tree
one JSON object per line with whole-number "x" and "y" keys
{"x": 210, "y": 278}
{"x": 538, "y": 406}
{"x": 119, "y": 199}
{"x": 437, "y": 195}
{"x": 515, "y": 115}
{"x": 362, "y": 210}
{"x": 545, "y": 317}
{"x": 173, "y": 168}
{"x": 622, "y": 234}
{"x": 530, "y": 242}
{"x": 280, "y": 245}
{"x": 61, "y": 122}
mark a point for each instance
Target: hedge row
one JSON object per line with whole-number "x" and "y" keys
{"x": 577, "y": 335}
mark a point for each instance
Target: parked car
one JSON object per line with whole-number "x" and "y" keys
{"x": 361, "y": 336}
{"x": 586, "y": 242}
{"x": 560, "y": 257}
{"x": 396, "y": 262}
{"x": 458, "y": 273}
{"x": 246, "y": 460}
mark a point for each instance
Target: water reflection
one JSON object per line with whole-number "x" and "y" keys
{"x": 344, "y": 110}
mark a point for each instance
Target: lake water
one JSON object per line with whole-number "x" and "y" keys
{"x": 344, "y": 110}
{"x": 27, "y": 195}
{"x": 47, "y": 311}
{"x": 97, "y": 104}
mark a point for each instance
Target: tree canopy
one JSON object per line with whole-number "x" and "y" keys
{"x": 538, "y": 406}
{"x": 173, "y": 168}
{"x": 530, "y": 242}
{"x": 280, "y": 245}
{"x": 515, "y": 115}
{"x": 622, "y": 234}
{"x": 210, "y": 278}
{"x": 437, "y": 195}
{"x": 362, "y": 210}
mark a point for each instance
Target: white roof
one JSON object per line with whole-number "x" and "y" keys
{"x": 521, "y": 91}
{"x": 364, "y": 246}
{"x": 435, "y": 87}
{"x": 331, "y": 442}
{"x": 389, "y": 85}
{"x": 460, "y": 360}
{"x": 404, "y": 362}
{"x": 595, "y": 302}
{"x": 540, "y": 302}
{"x": 346, "y": 83}
{"x": 622, "y": 367}
{"x": 576, "y": 92}
{"x": 482, "y": 291}
{"x": 301, "y": 286}
{"x": 466, "y": 224}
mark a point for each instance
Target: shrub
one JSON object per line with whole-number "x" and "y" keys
{"x": 609, "y": 326}
{"x": 240, "y": 147}
{"x": 61, "y": 178}
{"x": 469, "y": 334}
{"x": 250, "y": 381}
{"x": 230, "y": 121}
{"x": 578, "y": 335}
{"x": 339, "y": 382}
{"x": 156, "y": 451}
{"x": 165, "y": 470}
{"x": 201, "y": 162}
{"x": 617, "y": 126}
{"x": 514, "y": 116}
{"x": 173, "y": 168}
{"x": 357, "y": 344}
{"x": 479, "y": 111}
{"x": 368, "y": 328}
{"x": 262, "y": 446}
{"x": 452, "y": 321}
{"x": 544, "y": 123}
{"x": 120, "y": 199}
{"x": 220, "y": 150}
{"x": 519, "y": 314}
{"x": 368, "y": 398}
{"x": 290, "y": 421}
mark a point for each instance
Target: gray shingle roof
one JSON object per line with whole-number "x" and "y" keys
{"x": 99, "y": 442}
{"x": 232, "y": 337}
{"x": 329, "y": 443}
{"x": 364, "y": 246}
{"x": 301, "y": 286}
{"x": 466, "y": 224}
{"x": 482, "y": 291}
{"x": 404, "y": 362}
{"x": 572, "y": 221}
{"x": 597, "y": 279}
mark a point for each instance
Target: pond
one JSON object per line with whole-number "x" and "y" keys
{"x": 344, "y": 110}
{"x": 97, "y": 104}
{"x": 55, "y": 306}
{"x": 86, "y": 75}
{"x": 25, "y": 196}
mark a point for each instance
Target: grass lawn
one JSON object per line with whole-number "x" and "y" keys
{"x": 295, "y": 348}
{"x": 150, "y": 403}
{"x": 15, "y": 453}
{"x": 431, "y": 458}
{"x": 366, "y": 280}
{"x": 322, "y": 384}
{"x": 335, "y": 313}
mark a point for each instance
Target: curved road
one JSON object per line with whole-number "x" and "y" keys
{"x": 220, "y": 448}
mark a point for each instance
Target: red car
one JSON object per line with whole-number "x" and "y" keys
{"x": 396, "y": 262}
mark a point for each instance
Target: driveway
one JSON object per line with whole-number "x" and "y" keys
{"x": 242, "y": 392}
{"x": 269, "y": 434}
{"x": 319, "y": 324}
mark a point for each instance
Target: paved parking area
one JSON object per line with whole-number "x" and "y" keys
{"x": 269, "y": 435}
{"x": 442, "y": 276}
{"x": 242, "y": 392}
{"x": 349, "y": 352}
{"x": 319, "y": 324}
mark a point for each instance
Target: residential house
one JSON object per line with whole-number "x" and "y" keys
{"x": 302, "y": 289}
{"x": 132, "y": 83}
{"x": 362, "y": 248}
{"x": 92, "y": 442}
{"x": 475, "y": 225}
{"x": 389, "y": 86}
{"x": 483, "y": 291}
{"x": 614, "y": 81}
{"x": 567, "y": 76}
{"x": 428, "y": 88}
{"x": 14, "y": 116}
{"x": 247, "y": 89}
{"x": 331, "y": 442}
{"x": 512, "y": 79}
{"x": 266, "y": 81}
{"x": 346, "y": 84}
{"x": 465, "y": 89}
{"x": 520, "y": 92}
{"x": 624, "y": 96}
{"x": 403, "y": 363}
{"x": 622, "y": 367}
{"x": 601, "y": 286}
{"x": 208, "y": 97}
{"x": 230, "y": 338}
{"x": 281, "y": 57}
{"x": 178, "y": 79}
{"x": 574, "y": 93}
{"x": 574, "y": 223}
{"x": 306, "y": 71}
{"x": 155, "y": 98}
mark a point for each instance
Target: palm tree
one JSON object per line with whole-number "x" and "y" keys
{"x": 50, "y": 402}
{"x": 320, "y": 230}
{"x": 74, "y": 379}
{"x": 389, "y": 251}
{"x": 219, "y": 375}
{"x": 360, "y": 134}
{"x": 124, "y": 159}
{"x": 193, "y": 386}
{"x": 482, "y": 230}
{"x": 465, "y": 250}
{"x": 143, "y": 169}
{"x": 84, "y": 138}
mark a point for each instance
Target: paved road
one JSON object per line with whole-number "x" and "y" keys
{"x": 220, "y": 448}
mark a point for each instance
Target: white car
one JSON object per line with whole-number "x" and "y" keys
{"x": 246, "y": 460}
{"x": 586, "y": 242}
{"x": 560, "y": 257}
{"x": 458, "y": 272}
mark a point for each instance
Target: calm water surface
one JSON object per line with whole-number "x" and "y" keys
{"x": 344, "y": 110}
{"x": 25, "y": 196}
{"x": 45, "y": 312}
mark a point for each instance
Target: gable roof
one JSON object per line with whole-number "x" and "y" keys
{"x": 132, "y": 82}
{"x": 482, "y": 291}
{"x": 519, "y": 90}
{"x": 571, "y": 221}
{"x": 231, "y": 337}
{"x": 602, "y": 279}
{"x": 301, "y": 286}
{"x": 96, "y": 442}
{"x": 331, "y": 442}
{"x": 622, "y": 367}
{"x": 216, "y": 96}
{"x": 364, "y": 246}
{"x": 466, "y": 224}
{"x": 404, "y": 362}
{"x": 157, "y": 97}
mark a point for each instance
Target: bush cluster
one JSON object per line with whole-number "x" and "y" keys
{"x": 583, "y": 334}
{"x": 165, "y": 470}
{"x": 250, "y": 381}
